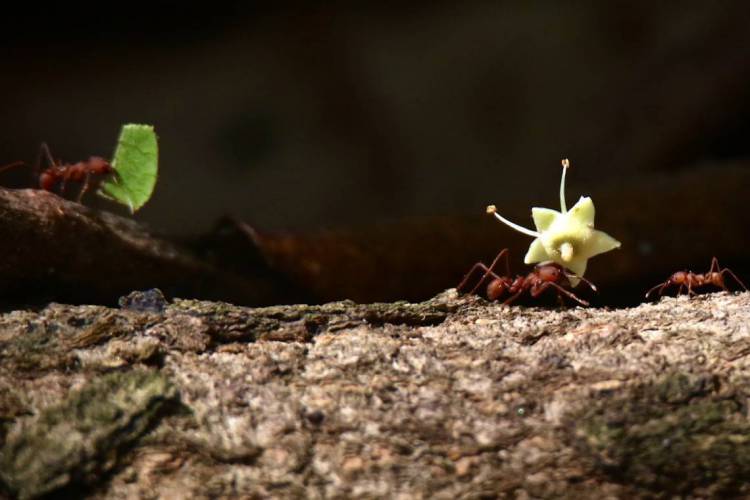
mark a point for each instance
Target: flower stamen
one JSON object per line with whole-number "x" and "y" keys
{"x": 565, "y": 165}
{"x": 491, "y": 209}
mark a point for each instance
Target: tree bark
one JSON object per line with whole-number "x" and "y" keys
{"x": 453, "y": 397}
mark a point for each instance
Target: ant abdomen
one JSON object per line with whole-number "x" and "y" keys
{"x": 496, "y": 289}
{"x": 47, "y": 181}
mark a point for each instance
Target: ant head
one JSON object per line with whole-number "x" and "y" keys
{"x": 497, "y": 288}
{"x": 549, "y": 272}
{"x": 99, "y": 165}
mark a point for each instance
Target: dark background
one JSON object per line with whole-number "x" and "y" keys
{"x": 296, "y": 116}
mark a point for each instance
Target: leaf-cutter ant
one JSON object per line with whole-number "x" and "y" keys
{"x": 691, "y": 280}
{"x": 543, "y": 277}
{"x": 62, "y": 173}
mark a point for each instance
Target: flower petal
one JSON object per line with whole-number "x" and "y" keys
{"x": 583, "y": 211}
{"x": 536, "y": 253}
{"x": 600, "y": 242}
{"x": 543, "y": 217}
{"x": 578, "y": 266}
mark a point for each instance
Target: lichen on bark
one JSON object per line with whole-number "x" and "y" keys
{"x": 674, "y": 434}
{"x": 80, "y": 439}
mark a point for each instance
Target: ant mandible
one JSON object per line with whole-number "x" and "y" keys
{"x": 691, "y": 280}
{"x": 543, "y": 277}
{"x": 62, "y": 173}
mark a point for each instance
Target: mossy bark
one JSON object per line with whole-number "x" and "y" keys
{"x": 453, "y": 397}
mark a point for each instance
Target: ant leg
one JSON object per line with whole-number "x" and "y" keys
{"x": 538, "y": 291}
{"x": 504, "y": 252}
{"x": 44, "y": 152}
{"x": 461, "y": 285}
{"x": 715, "y": 268}
{"x": 466, "y": 279}
{"x": 11, "y": 165}
{"x": 84, "y": 188}
{"x": 734, "y": 276}
{"x": 491, "y": 270}
{"x": 488, "y": 271}
{"x": 512, "y": 298}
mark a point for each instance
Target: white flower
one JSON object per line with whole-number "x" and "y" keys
{"x": 566, "y": 237}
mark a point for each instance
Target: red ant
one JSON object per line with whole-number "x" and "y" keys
{"x": 543, "y": 277}
{"x": 689, "y": 279}
{"x": 59, "y": 172}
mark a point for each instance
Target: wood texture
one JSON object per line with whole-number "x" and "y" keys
{"x": 452, "y": 397}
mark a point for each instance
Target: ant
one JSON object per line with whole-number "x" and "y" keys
{"x": 543, "y": 277}
{"x": 690, "y": 280}
{"x": 62, "y": 173}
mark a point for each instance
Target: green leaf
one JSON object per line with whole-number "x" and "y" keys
{"x": 136, "y": 164}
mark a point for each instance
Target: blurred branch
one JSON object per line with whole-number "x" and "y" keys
{"x": 664, "y": 222}
{"x": 54, "y": 249}
{"x": 57, "y": 250}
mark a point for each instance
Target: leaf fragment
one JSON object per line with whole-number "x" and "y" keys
{"x": 135, "y": 162}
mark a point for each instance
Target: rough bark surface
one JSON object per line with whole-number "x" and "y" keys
{"x": 453, "y": 397}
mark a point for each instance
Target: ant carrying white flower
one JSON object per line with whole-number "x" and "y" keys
{"x": 567, "y": 237}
